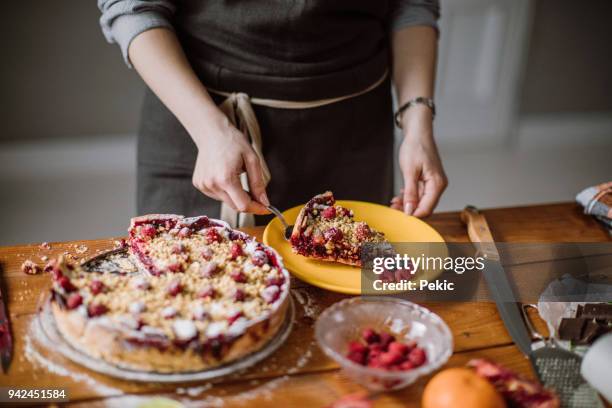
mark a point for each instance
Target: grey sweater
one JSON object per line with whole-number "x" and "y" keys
{"x": 123, "y": 20}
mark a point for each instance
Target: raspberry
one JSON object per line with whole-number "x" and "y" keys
{"x": 417, "y": 356}
{"x": 176, "y": 267}
{"x": 148, "y": 231}
{"x": 239, "y": 295}
{"x": 238, "y": 276}
{"x": 74, "y": 300}
{"x": 65, "y": 284}
{"x": 363, "y": 231}
{"x": 270, "y": 293}
{"x": 357, "y": 346}
{"x": 386, "y": 339}
{"x": 406, "y": 365}
{"x": 358, "y": 357}
{"x": 370, "y": 336}
{"x": 329, "y": 213}
{"x": 179, "y": 249}
{"x": 212, "y": 235}
{"x": 275, "y": 280}
{"x": 96, "y": 287}
{"x": 333, "y": 234}
{"x": 207, "y": 253}
{"x": 209, "y": 269}
{"x": 96, "y": 309}
{"x": 174, "y": 288}
{"x": 259, "y": 258}
{"x": 233, "y": 318}
{"x": 206, "y": 292}
{"x": 184, "y": 232}
{"x": 391, "y": 358}
{"x": 236, "y": 250}
{"x": 399, "y": 348}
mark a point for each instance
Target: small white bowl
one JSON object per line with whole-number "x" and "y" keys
{"x": 344, "y": 321}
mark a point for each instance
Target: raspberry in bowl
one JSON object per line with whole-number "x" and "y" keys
{"x": 383, "y": 343}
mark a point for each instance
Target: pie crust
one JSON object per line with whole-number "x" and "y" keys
{"x": 195, "y": 303}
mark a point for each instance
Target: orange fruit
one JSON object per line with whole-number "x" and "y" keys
{"x": 460, "y": 388}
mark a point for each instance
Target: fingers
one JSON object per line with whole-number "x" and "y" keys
{"x": 411, "y": 190}
{"x": 397, "y": 202}
{"x": 241, "y": 198}
{"x": 257, "y": 185}
{"x": 433, "y": 189}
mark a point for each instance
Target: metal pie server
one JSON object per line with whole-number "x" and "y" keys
{"x": 555, "y": 367}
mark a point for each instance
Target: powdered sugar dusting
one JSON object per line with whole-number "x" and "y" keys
{"x": 41, "y": 357}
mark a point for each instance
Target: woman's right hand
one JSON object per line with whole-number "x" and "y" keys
{"x": 223, "y": 154}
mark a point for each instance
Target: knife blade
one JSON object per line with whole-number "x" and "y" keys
{"x": 6, "y": 341}
{"x": 496, "y": 278}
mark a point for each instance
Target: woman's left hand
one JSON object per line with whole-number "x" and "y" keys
{"x": 424, "y": 177}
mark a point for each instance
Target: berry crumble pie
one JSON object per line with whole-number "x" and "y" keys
{"x": 204, "y": 295}
{"x": 327, "y": 231}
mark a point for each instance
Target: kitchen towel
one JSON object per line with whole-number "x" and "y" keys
{"x": 597, "y": 201}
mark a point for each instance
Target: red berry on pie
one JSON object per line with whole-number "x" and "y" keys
{"x": 96, "y": 287}
{"x": 174, "y": 288}
{"x": 212, "y": 235}
{"x": 329, "y": 213}
{"x": 362, "y": 231}
{"x": 270, "y": 293}
{"x": 179, "y": 249}
{"x": 259, "y": 258}
{"x": 148, "y": 230}
{"x": 206, "y": 292}
{"x": 274, "y": 280}
{"x": 74, "y": 300}
{"x": 184, "y": 232}
{"x": 30, "y": 268}
{"x": 238, "y": 276}
{"x": 234, "y": 317}
{"x": 96, "y": 309}
{"x": 333, "y": 234}
{"x": 209, "y": 269}
{"x": 236, "y": 250}
{"x": 175, "y": 267}
{"x": 64, "y": 283}
{"x": 239, "y": 295}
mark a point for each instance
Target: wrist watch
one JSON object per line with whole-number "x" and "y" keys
{"x": 421, "y": 100}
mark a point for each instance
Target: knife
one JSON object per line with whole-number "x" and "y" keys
{"x": 555, "y": 367}
{"x": 6, "y": 341}
{"x": 497, "y": 281}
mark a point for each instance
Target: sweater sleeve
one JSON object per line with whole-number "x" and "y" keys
{"x": 123, "y": 20}
{"x": 407, "y": 13}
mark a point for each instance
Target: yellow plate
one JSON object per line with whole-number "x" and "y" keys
{"x": 337, "y": 277}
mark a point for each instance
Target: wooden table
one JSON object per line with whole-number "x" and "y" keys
{"x": 298, "y": 374}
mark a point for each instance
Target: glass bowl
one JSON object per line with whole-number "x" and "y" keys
{"x": 344, "y": 321}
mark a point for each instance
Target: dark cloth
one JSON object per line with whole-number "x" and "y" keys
{"x": 335, "y": 48}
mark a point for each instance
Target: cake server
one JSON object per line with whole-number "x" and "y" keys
{"x": 555, "y": 367}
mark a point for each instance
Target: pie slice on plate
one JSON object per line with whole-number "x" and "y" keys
{"x": 328, "y": 232}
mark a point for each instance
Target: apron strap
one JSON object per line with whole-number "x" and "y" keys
{"x": 238, "y": 109}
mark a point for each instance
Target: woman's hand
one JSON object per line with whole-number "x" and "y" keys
{"x": 424, "y": 178}
{"x": 223, "y": 154}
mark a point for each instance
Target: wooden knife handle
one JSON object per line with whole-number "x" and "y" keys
{"x": 479, "y": 232}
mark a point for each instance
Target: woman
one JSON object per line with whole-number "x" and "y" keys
{"x": 306, "y": 91}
